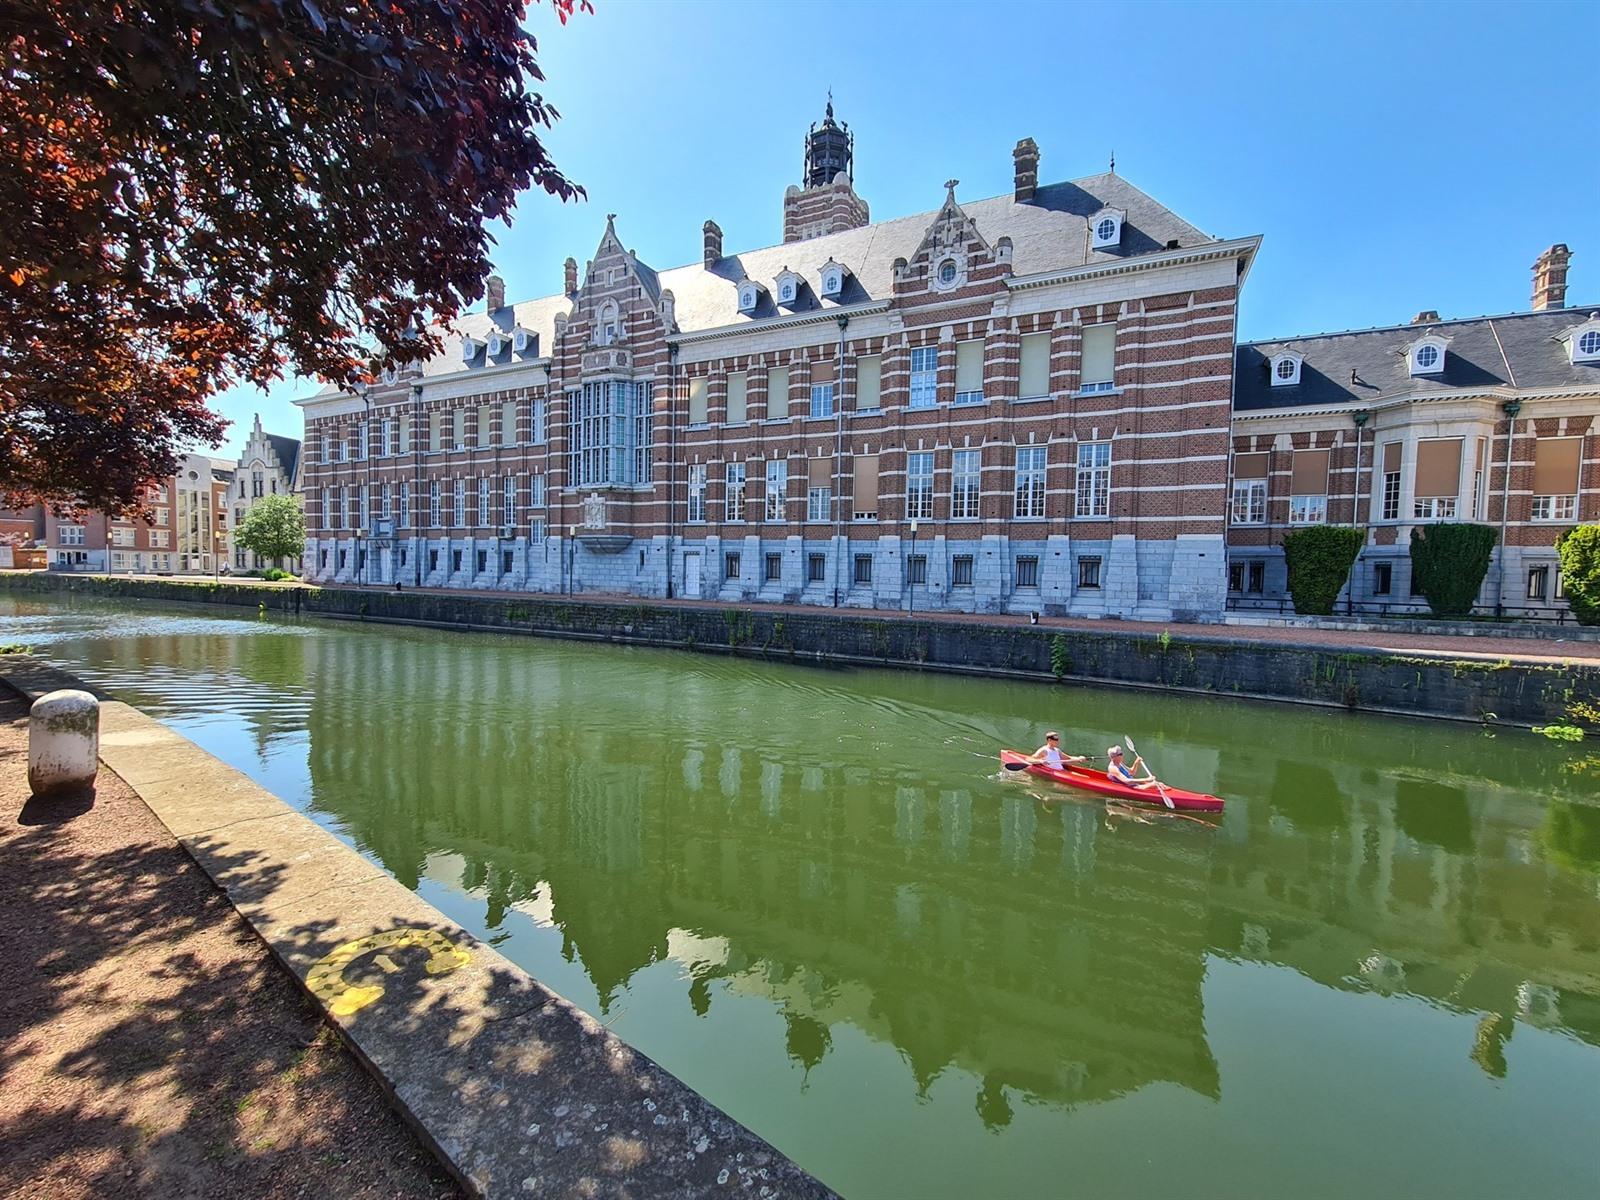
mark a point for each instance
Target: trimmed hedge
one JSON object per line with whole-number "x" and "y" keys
{"x": 1579, "y": 549}
{"x": 1449, "y": 562}
{"x": 1319, "y": 559}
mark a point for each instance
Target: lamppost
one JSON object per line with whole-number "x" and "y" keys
{"x": 911, "y": 566}
{"x": 364, "y": 533}
{"x": 1511, "y": 408}
{"x": 572, "y": 559}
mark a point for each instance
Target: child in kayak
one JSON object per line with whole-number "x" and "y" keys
{"x": 1050, "y": 753}
{"x": 1118, "y": 772}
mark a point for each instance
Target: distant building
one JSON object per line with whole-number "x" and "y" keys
{"x": 184, "y": 532}
{"x": 22, "y": 527}
{"x": 1488, "y": 419}
{"x": 267, "y": 467}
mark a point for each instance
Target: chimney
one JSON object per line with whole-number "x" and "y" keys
{"x": 1426, "y": 317}
{"x": 1550, "y": 278}
{"x": 495, "y": 289}
{"x": 571, "y": 288}
{"x": 1026, "y": 158}
{"x": 713, "y": 235}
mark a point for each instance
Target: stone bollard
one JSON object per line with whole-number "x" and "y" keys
{"x": 63, "y": 742}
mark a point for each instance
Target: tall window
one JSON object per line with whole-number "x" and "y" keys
{"x": 376, "y": 442}
{"x": 405, "y": 504}
{"x": 536, "y": 491}
{"x": 1391, "y": 481}
{"x": 738, "y": 409}
{"x": 699, "y": 387}
{"x": 1308, "y": 488}
{"x": 1029, "y": 489}
{"x": 822, "y": 399}
{"x": 330, "y": 510}
{"x": 777, "y": 487}
{"x": 924, "y": 376}
{"x": 869, "y": 382}
{"x": 1249, "y": 502}
{"x": 919, "y": 485}
{"x": 434, "y": 515}
{"x": 1035, "y": 368}
{"x": 1094, "y": 479}
{"x": 508, "y": 500}
{"x": 484, "y": 516}
{"x": 733, "y": 498}
{"x": 1099, "y": 358}
{"x": 697, "y": 492}
{"x": 539, "y": 421}
{"x": 458, "y": 515}
{"x": 819, "y": 489}
{"x": 508, "y": 423}
{"x": 611, "y": 433}
{"x": 969, "y": 372}
{"x": 388, "y": 445}
{"x": 352, "y": 518}
{"x": 966, "y": 484}
{"x": 383, "y": 501}
{"x": 255, "y": 484}
{"x": 1438, "y": 479}
{"x": 1556, "y": 466}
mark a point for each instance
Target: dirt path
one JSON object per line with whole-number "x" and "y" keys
{"x": 149, "y": 1044}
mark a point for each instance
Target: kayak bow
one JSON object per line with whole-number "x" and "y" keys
{"x": 1090, "y": 780}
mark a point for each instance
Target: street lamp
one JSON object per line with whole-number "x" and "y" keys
{"x": 911, "y": 566}
{"x": 572, "y": 557}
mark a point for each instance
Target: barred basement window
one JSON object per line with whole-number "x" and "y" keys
{"x": 773, "y": 568}
{"x": 1538, "y": 582}
{"x": 730, "y": 566}
{"x": 455, "y": 562}
{"x": 816, "y": 568}
{"x": 863, "y": 569}
{"x": 917, "y": 568}
{"x": 506, "y": 558}
{"x": 961, "y": 571}
{"x": 1028, "y": 571}
{"x": 483, "y": 561}
{"x": 1258, "y": 578}
{"x": 1236, "y": 577}
{"x": 344, "y": 556}
{"x": 433, "y": 561}
{"x": 1382, "y": 578}
{"x": 1089, "y": 572}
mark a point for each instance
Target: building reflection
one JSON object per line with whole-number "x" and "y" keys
{"x": 1053, "y": 956}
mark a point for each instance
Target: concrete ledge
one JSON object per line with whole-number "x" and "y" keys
{"x": 517, "y": 1091}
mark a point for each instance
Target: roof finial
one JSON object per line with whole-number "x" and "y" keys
{"x": 950, "y": 188}
{"x": 830, "y": 104}
{"x": 1113, "y": 162}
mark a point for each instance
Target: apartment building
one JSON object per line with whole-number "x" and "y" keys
{"x": 1013, "y": 404}
{"x": 1487, "y": 419}
{"x": 184, "y": 528}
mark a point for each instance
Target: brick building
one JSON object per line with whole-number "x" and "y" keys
{"x": 1491, "y": 420}
{"x": 1019, "y": 403}
{"x": 185, "y": 528}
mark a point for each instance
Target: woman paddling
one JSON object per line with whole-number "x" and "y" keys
{"x": 1118, "y": 771}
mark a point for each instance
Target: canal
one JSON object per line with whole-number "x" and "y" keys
{"x": 807, "y": 893}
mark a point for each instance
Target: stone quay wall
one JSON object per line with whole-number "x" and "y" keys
{"x": 1505, "y": 691}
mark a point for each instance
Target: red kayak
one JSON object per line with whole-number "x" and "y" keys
{"x": 1080, "y": 775}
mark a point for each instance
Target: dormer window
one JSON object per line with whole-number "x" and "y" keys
{"x": 749, "y": 296}
{"x": 832, "y": 279}
{"x": 391, "y": 374}
{"x": 1583, "y": 343}
{"x": 607, "y": 326}
{"x": 1426, "y": 355}
{"x": 497, "y": 344}
{"x": 524, "y": 341}
{"x": 1285, "y": 369}
{"x": 1105, "y": 229}
{"x": 788, "y": 286}
{"x": 471, "y": 347}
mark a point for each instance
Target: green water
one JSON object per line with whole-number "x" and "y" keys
{"x": 806, "y": 892}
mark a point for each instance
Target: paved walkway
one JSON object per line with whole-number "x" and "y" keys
{"x": 149, "y": 1044}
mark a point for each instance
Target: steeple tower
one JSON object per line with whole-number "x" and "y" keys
{"x": 826, "y": 201}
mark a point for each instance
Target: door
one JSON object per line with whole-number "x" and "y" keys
{"x": 691, "y": 575}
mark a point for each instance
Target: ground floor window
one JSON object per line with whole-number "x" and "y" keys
{"x": 917, "y": 568}
{"x": 455, "y": 562}
{"x": 506, "y": 559}
{"x": 730, "y": 566}
{"x": 863, "y": 571}
{"x": 1089, "y": 572}
{"x": 773, "y": 569}
{"x": 1434, "y": 508}
{"x": 1257, "y": 582}
{"x": 1236, "y": 577}
{"x": 483, "y": 561}
{"x": 1028, "y": 571}
{"x": 322, "y": 559}
{"x": 1416, "y": 583}
{"x": 1382, "y": 578}
{"x": 816, "y": 568}
{"x": 343, "y": 557}
{"x": 1555, "y": 508}
{"x": 1538, "y": 582}
{"x": 402, "y": 556}
{"x": 961, "y": 571}
{"x": 433, "y": 560}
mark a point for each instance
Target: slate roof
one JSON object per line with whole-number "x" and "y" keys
{"x": 1519, "y": 350}
{"x": 288, "y": 451}
{"x": 1048, "y": 233}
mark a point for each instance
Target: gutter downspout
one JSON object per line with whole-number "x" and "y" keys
{"x": 417, "y": 498}
{"x": 838, "y": 453}
{"x": 672, "y": 455}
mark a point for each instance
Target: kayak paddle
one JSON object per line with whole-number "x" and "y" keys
{"x": 1025, "y": 764}
{"x": 1165, "y": 799}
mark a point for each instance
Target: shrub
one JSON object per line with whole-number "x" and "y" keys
{"x": 1319, "y": 559}
{"x": 274, "y": 574}
{"x": 1580, "y": 570}
{"x": 1449, "y": 562}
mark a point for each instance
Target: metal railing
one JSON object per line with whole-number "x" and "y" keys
{"x": 1403, "y": 610}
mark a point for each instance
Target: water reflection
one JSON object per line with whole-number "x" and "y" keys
{"x": 828, "y": 847}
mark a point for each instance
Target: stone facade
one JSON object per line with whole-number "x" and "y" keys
{"x": 267, "y": 466}
{"x": 1007, "y": 405}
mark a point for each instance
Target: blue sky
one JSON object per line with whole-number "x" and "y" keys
{"x": 1395, "y": 157}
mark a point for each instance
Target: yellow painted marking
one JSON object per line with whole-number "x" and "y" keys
{"x": 326, "y": 978}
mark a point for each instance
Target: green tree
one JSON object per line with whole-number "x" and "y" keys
{"x": 1449, "y": 562}
{"x": 1319, "y": 559}
{"x": 1580, "y": 570}
{"x": 274, "y": 528}
{"x": 200, "y": 193}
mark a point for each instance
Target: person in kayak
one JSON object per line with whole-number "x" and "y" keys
{"x": 1119, "y": 772}
{"x": 1050, "y": 753}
